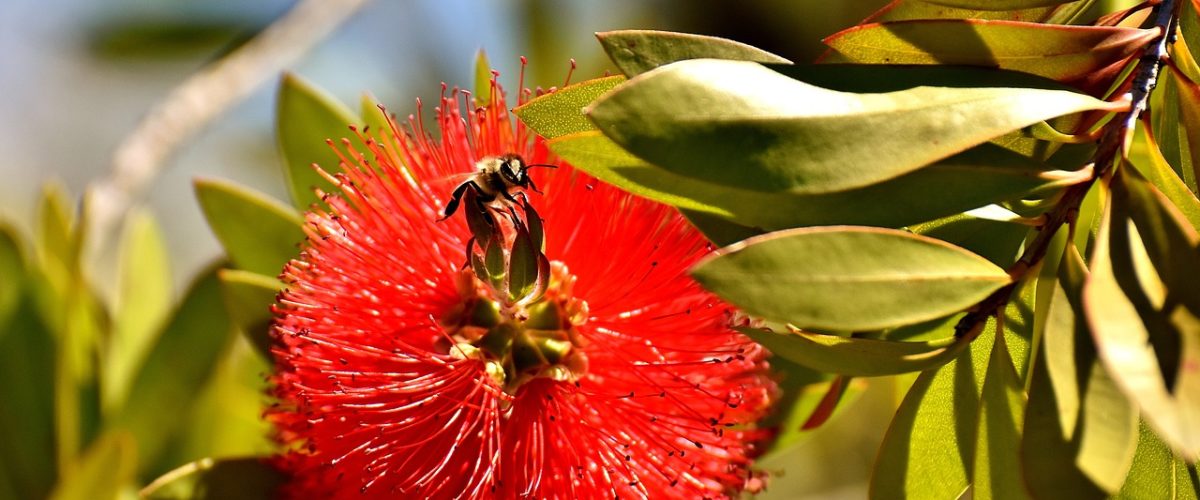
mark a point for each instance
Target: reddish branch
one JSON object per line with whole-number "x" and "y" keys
{"x": 1166, "y": 16}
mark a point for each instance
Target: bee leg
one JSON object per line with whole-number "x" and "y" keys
{"x": 456, "y": 198}
{"x": 534, "y": 187}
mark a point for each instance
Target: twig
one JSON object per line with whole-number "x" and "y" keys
{"x": 1165, "y": 15}
{"x": 199, "y": 100}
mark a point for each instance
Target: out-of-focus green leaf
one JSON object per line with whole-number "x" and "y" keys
{"x": 1189, "y": 35}
{"x": 12, "y": 270}
{"x": 561, "y": 112}
{"x": 1140, "y": 301}
{"x": 998, "y": 4}
{"x": 1146, "y": 156}
{"x": 142, "y": 305}
{"x": 639, "y": 51}
{"x": 258, "y": 233}
{"x": 1060, "y": 52}
{"x": 306, "y": 117}
{"x": 53, "y": 242}
{"x": 104, "y": 470}
{"x": 483, "y": 79}
{"x": 183, "y": 359}
{"x": 374, "y": 116}
{"x": 1189, "y": 121}
{"x": 1156, "y": 473}
{"x": 975, "y": 178}
{"x": 248, "y": 298}
{"x": 225, "y": 479}
{"x": 27, "y": 417}
{"x": 857, "y": 356}
{"x": 997, "y": 467}
{"x": 849, "y": 278}
{"x": 740, "y": 124}
{"x": 718, "y": 230}
{"x": 226, "y": 419}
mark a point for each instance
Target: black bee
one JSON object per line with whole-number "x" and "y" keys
{"x": 494, "y": 178}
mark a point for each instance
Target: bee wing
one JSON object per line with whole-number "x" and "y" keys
{"x": 451, "y": 181}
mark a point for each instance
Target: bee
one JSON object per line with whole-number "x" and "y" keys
{"x": 494, "y": 179}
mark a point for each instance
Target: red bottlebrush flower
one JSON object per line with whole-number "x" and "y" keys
{"x": 622, "y": 380}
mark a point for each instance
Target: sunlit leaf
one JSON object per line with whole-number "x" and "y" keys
{"x": 306, "y": 117}
{"x": 27, "y": 421}
{"x": 145, "y": 293}
{"x": 1055, "y": 51}
{"x": 1140, "y": 301}
{"x": 102, "y": 472}
{"x": 1146, "y": 156}
{"x": 1156, "y": 473}
{"x": 225, "y": 479}
{"x": 561, "y": 112}
{"x": 1189, "y": 121}
{"x": 849, "y": 278}
{"x": 763, "y": 131}
{"x": 975, "y": 178}
{"x": 258, "y": 233}
{"x": 997, "y": 468}
{"x": 638, "y": 51}
{"x": 248, "y": 298}
{"x": 900, "y": 10}
{"x": 483, "y": 79}
{"x": 857, "y": 356}
{"x": 998, "y": 4}
{"x": 180, "y": 363}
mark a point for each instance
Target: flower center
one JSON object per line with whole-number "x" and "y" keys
{"x": 520, "y": 342}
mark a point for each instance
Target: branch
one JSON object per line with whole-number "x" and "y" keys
{"x": 199, "y": 100}
{"x": 1165, "y": 15}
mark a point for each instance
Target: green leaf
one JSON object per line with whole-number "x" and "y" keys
{"x": 1156, "y": 473}
{"x": 54, "y": 244}
{"x": 144, "y": 300}
{"x": 104, "y": 470}
{"x": 377, "y": 122}
{"x": 997, "y": 467}
{"x": 248, "y": 299}
{"x": 306, "y": 117}
{"x": 900, "y": 10}
{"x": 27, "y": 416}
{"x": 975, "y": 178}
{"x": 1146, "y": 156}
{"x": 1140, "y": 301}
{"x": 998, "y": 4}
{"x": 1059, "y": 52}
{"x": 259, "y": 234}
{"x": 483, "y": 79}
{"x": 933, "y": 433}
{"x": 856, "y": 356}
{"x": 224, "y": 479}
{"x": 1189, "y": 121}
{"x": 561, "y": 112}
{"x": 12, "y": 268}
{"x": 786, "y": 135}
{"x": 718, "y": 230}
{"x": 639, "y": 51}
{"x": 997, "y": 241}
{"x": 849, "y": 278}
{"x": 180, "y": 363}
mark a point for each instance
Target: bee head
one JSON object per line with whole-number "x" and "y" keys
{"x": 513, "y": 169}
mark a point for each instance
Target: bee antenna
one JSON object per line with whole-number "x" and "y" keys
{"x": 543, "y": 165}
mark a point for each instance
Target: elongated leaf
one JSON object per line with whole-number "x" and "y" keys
{"x": 998, "y": 4}
{"x": 997, "y": 467}
{"x": 143, "y": 303}
{"x": 258, "y": 233}
{"x": 483, "y": 79}
{"x": 1060, "y": 52}
{"x": 104, "y": 470}
{"x": 975, "y": 178}
{"x": 1189, "y": 120}
{"x": 27, "y": 415}
{"x": 248, "y": 298}
{"x": 1148, "y": 159}
{"x": 1135, "y": 311}
{"x": 718, "y": 230}
{"x": 857, "y": 356}
{"x": 1156, "y": 473}
{"x": 230, "y": 478}
{"x": 849, "y": 278}
{"x": 561, "y": 112}
{"x": 639, "y": 51}
{"x": 180, "y": 363}
{"x": 12, "y": 269}
{"x": 901, "y": 10}
{"x": 759, "y": 130}
{"x": 306, "y": 117}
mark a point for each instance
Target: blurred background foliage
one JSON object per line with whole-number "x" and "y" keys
{"x": 76, "y": 76}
